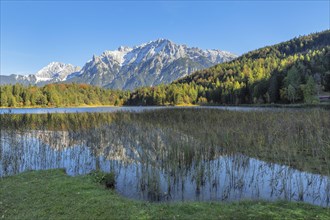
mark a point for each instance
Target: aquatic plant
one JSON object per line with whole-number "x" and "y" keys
{"x": 171, "y": 150}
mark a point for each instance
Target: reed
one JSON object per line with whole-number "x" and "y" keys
{"x": 176, "y": 147}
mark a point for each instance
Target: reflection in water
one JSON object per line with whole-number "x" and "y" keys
{"x": 157, "y": 163}
{"x": 128, "y": 108}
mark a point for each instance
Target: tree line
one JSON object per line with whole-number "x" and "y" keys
{"x": 59, "y": 95}
{"x": 290, "y": 72}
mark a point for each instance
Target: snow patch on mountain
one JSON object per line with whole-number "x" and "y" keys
{"x": 159, "y": 61}
{"x": 152, "y": 63}
{"x": 117, "y": 55}
{"x": 55, "y": 71}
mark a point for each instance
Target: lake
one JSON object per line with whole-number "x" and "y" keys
{"x": 126, "y": 108}
{"x": 179, "y": 154}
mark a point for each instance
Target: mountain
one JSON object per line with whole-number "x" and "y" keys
{"x": 153, "y": 63}
{"x": 294, "y": 71}
{"x": 160, "y": 61}
{"x": 53, "y": 72}
{"x": 14, "y": 78}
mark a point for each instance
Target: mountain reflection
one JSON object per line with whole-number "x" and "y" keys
{"x": 158, "y": 163}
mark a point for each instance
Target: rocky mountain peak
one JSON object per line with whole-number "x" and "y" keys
{"x": 158, "y": 61}
{"x": 56, "y": 70}
{"x": 148, "y": 64}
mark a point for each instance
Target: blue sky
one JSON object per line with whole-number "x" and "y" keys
{"x": 35, "y": 33}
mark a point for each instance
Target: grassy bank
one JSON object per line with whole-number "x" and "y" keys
{"x": 53, "y": 194}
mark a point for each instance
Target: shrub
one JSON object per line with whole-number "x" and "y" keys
{"x": 107, "y": 179}
{"x": 110, "y": 180}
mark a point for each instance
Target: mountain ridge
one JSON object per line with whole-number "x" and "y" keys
{"x": 293, "y": 71}
{"x": 51, "y": 73}
{"x": 148, "y": 64}
{"x": 297, "y": 70}
{"x": 152, "y": 63}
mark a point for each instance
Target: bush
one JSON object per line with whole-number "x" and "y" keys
{"x": 110, "y": 180}
{"x": 107, "y": 179}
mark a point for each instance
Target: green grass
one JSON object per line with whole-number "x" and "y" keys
{"x": 52, "y": 194}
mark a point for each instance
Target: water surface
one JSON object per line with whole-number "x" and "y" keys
{"x": 127, "y": 108}
{"x": 158, "y": 156}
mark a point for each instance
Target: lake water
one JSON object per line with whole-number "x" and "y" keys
{"x": 156, "y": 157}
{"x": 134, "y": 108}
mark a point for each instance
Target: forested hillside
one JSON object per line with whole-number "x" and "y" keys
{"x": 59, "y": 95}
{"x": 294, "y": 71}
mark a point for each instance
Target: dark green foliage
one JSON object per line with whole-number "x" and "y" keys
{"x": 107, "y": 179}
{"x": 110, "y": 180}
{"x": 97, "y": 176}
{"x": 174, "y": 94}
{"x": 326, "y": 81}
{"x": 309, "y": 91}
{"x": 59, "y": 95}
{"x": 274, "y": 74}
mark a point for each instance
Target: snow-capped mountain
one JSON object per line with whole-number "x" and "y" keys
{"x": 53, "y": 72}
{"x": 56, "y": 71}
{"x": 160, "y": 61}
{"x": 14, "y": 78}
{"x": 152, "y": 63}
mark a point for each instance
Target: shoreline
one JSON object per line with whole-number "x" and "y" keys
{"x": 54, "y": 194}
{"x": 298, "y": 105}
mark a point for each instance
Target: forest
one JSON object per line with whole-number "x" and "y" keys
{"x": 59, "y": 95}
{"x": 296, "y": 71}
